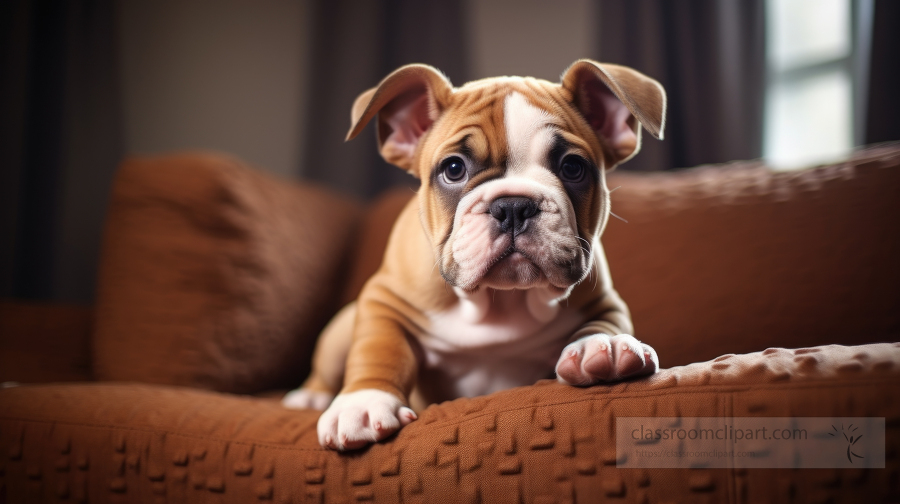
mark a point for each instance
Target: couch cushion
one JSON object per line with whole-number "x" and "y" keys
{"x": 215, "y": 275}
{"x": 738, "y": 258}
{"x": 543, "y": 443}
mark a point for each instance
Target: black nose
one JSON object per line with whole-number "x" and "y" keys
{"x": 513, "y": 212}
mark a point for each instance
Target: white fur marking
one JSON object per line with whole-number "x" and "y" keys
{"x": 515, "y": 340}
{"x": 528, "y": 133}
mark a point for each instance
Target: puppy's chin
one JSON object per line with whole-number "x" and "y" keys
{"x": 513, "y": 270}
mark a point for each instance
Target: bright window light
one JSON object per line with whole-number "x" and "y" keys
{"x": 802, "y": 32}
{"x": 809, "y": 120}
{"x": 809, "y": 116}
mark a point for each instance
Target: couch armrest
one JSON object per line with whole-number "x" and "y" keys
{"x": 543, "y": 443}
{"x": 42, "y": 342}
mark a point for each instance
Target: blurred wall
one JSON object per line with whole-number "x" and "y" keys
{"x": 538, "y": 38}
{"x": 87, "y": 82}
{"x": 224, "y": 74}
{"x": 233, "y": 75}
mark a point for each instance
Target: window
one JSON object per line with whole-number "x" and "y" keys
{"x": 817, "y": 58}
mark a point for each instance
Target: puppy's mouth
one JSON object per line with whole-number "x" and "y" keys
{"x": 516, "y": 261}
{"x": 516, "y": 268}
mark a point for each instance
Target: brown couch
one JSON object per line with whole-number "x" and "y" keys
{"x": 216, "y": 278}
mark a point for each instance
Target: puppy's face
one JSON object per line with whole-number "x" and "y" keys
{"x": 513, "y": 192}
{"x": 513, "y": 189}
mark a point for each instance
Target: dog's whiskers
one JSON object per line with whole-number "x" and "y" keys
{"x": 584, "y": 248}
{"x": 617, "y": 217}
{"x": 440, "y": 259}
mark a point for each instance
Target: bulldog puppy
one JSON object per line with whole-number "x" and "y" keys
{"x": 494, "y": 276}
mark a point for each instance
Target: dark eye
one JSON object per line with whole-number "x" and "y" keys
{"x": 572, "y": 169}
{"x": 454, "y": 169}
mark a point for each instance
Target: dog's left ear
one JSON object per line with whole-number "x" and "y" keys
{"x": 616, "y": 101}
{"x": 407, "y": 102}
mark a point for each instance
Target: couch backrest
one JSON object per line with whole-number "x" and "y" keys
{"x": 738, "y": 258}
{"x": 217, "y": 276}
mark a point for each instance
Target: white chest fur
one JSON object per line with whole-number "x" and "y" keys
{"x": 496, "y": 339}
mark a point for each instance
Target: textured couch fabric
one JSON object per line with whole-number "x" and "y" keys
{"x": 198, "y": 290}
{"x": 753, "y": 258}
{"x": 544, "y": 443}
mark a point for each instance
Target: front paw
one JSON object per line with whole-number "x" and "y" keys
{"x": 604, "y": 358}
{"x": 359, "y": 418}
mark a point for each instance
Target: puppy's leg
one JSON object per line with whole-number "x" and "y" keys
{"x": 381, "y": 371}
{"x": 329, "y": 362}
{"x": 602, "y": 350}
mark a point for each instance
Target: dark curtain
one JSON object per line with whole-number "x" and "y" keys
{"x": 710, "y": 57}
{"x": 883, "y": 114}
{"x": 355, "y": 44}
{"x": 60, "y": 141}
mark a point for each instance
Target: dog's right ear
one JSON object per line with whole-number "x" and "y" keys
{"x": 407, "y": 102}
